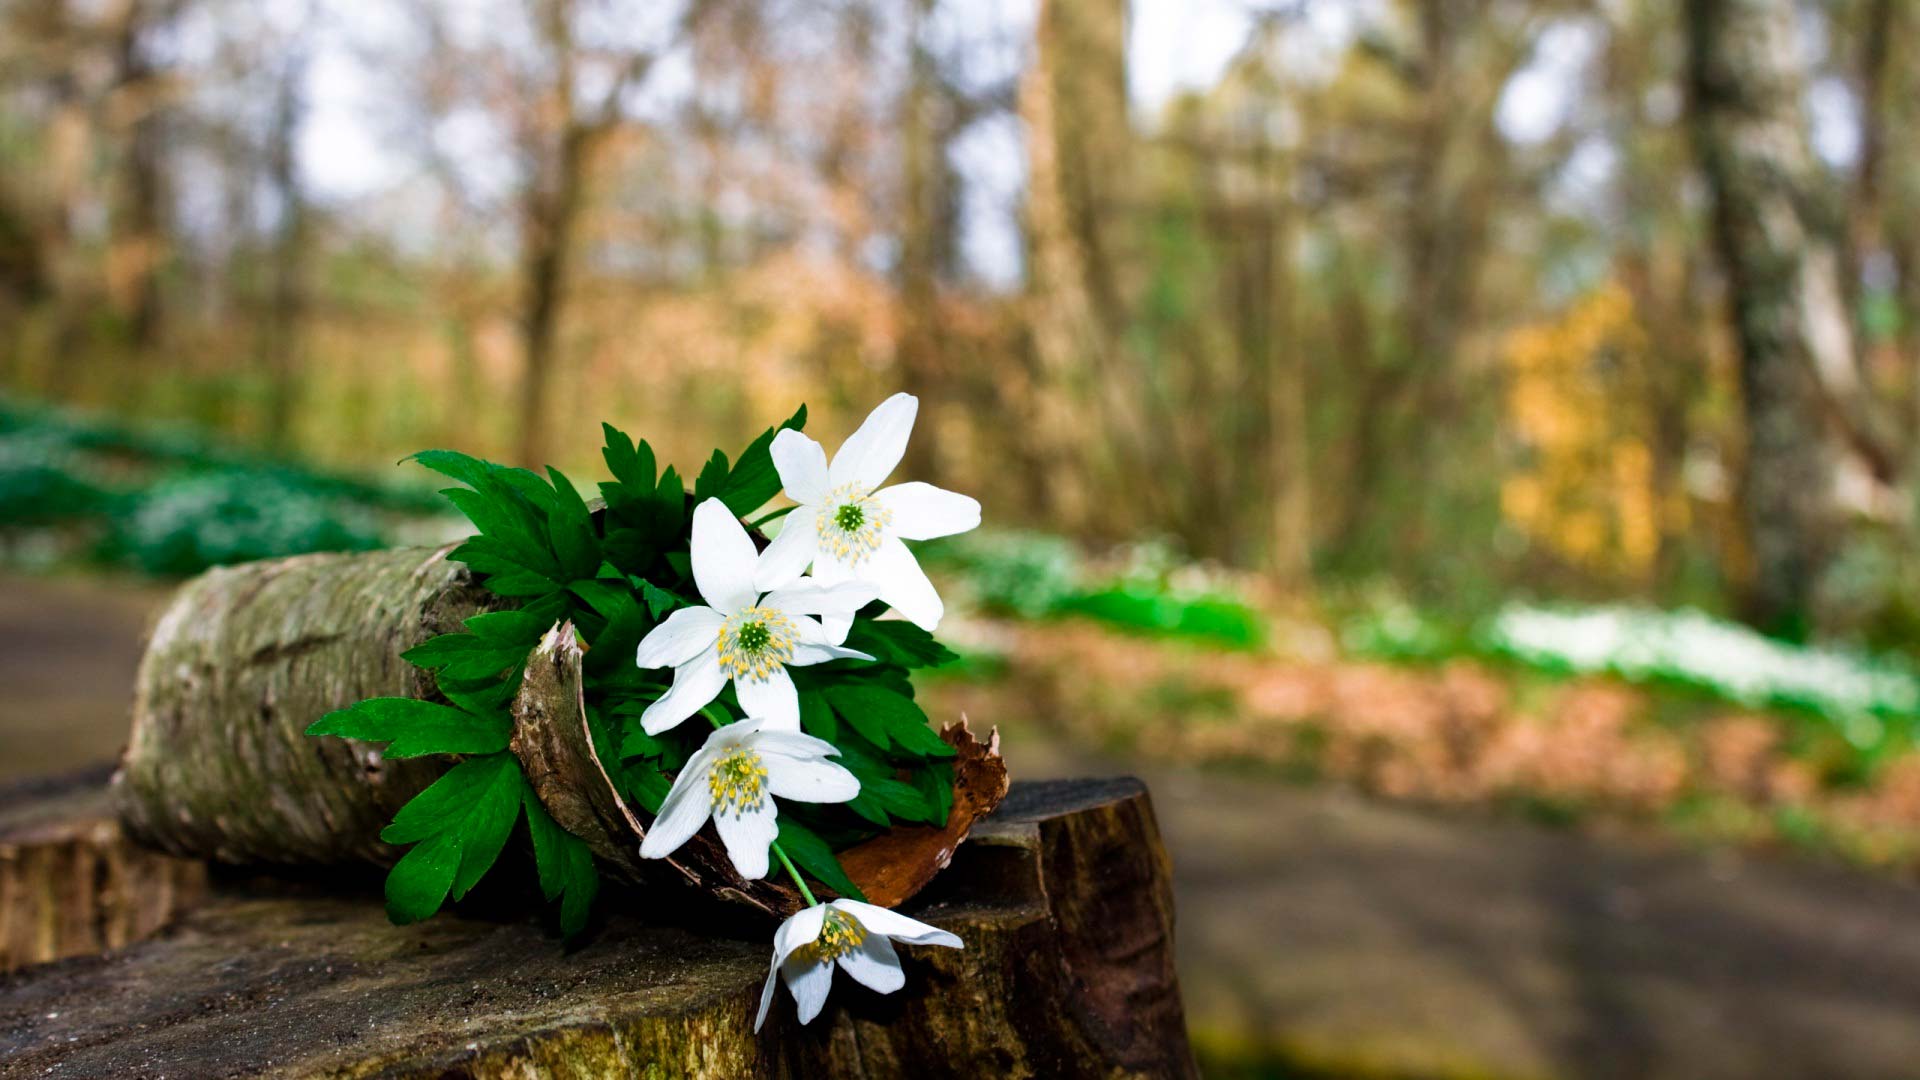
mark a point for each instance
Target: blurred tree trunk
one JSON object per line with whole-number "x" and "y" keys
{"x": 287, "y": 307}
{"x": 1793, "y": 333}
{"x": 925, "y": 236}
{"x": 139, "y": 241}
{"x": 562, "y": 142}
{"x": 1074, "y": 105}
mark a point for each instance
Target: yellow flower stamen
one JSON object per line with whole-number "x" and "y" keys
{"x": 851, "y": 527}
{"x": 839, "y": 936}
{"x": 737, "y": 782}
{"x": 755, "y": 643}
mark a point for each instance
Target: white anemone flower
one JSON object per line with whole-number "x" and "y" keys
{"x": 733, "y": 778}
{"x": 850, "y": 528}
{"x": 858, "y": 937}
{"x": 742, "y": 635}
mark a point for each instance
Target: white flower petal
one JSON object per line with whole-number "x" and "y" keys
{"x": 814, "y": 644}
{"x": 695, "y": 683}
{"x": 875, "y": 965}
{"x": 787, "y": 557}
{"x": 723, "y": 558}
{"x": 747, "y": 835}
{"x": 678, "y": 639}
{"x": 771, "y": 700}
{"x": 687, "y": 805}
{"x": 828, "y": 572}
{"x": 793, "y": 744}
{"x": 808, "y": 597}
{"x": 895, "y": 925}
{"x": 812, "y": 781}
{"x": 802, "y": 465}
{"x": 870, "y": 453}
{"x": 923, "y": 512}
{"x": 808, "y": 982}
{"x": 801, "y": 928}
{"x": 903, "y": 585}
{"x": 766, "y": 993}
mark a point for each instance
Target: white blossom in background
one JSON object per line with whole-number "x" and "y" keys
{"x": 1638, "y": 644}
{"x": 743, "y": 636}
{"x": 733, "y": 778}
{"x": 856, "y": 937}
{"x": 849, "y": 528}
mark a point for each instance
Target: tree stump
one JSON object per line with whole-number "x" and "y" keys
{"x": 70, "y": 881}
{"x": 1062, "y": 897}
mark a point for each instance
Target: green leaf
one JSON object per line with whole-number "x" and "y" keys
{"x": 754, "y": 480}
{"x": 712, "y": 480}
{"x": 417, "y": 885}
{"x": 812, "y": 855}
{"x": 632, "y": 466}
{"x": 412, "y": 728}
{"x": 816, "y": 716}
{"x": 565, "y": 865}
{"x": 571, "y": 528}
{"x": 523, "y": 627}
{"x": 886, "y": 717}
{"x": 461, "y": 824}
{"x": 900, "y": 642}
{"x": 455, "y": 465}
{"x": 446, "y": 802}
{"x": 464, "y": 656}
{"x": 517, "y": 536}
{"x": 488, "y": 823}
{"x": 659, "y": 601}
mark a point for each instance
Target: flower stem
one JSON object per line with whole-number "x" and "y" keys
{"x": 784, "y": 861}
{"x": 771, "y": 515}
{"x": 797, "y": 880}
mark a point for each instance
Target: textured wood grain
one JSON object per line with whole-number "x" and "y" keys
{"x": 1060, "y": 977}
{"x": 71, "y": 884}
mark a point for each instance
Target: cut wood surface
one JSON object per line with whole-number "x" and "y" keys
{"x": 1062, "y": 898}
{"x": 71, "y": 883}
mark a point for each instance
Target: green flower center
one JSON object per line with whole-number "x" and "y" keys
{"x": 737, "y": 782}
{"x": 853, "y": 529}
{"x": 753, "y": 637}
{"x": 755, "y": 643}
{"x": 839, "y": 936}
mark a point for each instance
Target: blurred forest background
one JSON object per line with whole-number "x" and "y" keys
{"x": 1598, "y": 299}
{"x": 1502, "y": 404}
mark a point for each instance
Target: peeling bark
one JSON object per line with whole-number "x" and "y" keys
{"x": 218, "y": 764}
{"x": 219, "y": 767}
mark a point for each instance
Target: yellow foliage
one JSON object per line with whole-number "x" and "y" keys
{"x": 1585, "y": 487}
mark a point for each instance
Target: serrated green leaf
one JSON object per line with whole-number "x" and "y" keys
{"x": 571, "y": 528}
{"x": 816, "y": 716}
{"x": 565, "y": 865}
{"x": 445, "y": 802}
{"x": 631, "y": 466}
{"x": 488, "y": 823}
{"x": 454, "y": 465}
{"x": 899, "y": 642}
{"x": 464, "y": 656}
{"x": 523, "y": 627}
{"x": 659, "y": 601}
{"x": 712, "y": 479}
{"x": 417, "y": 885}
{"x": 885, "y": 718}
{"x": 812, "y": 855}
{"x": 754, "y": 480}
{"x": 412, "y": 728}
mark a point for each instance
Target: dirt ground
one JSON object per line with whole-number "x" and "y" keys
{"x": 1326, "y": 934}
